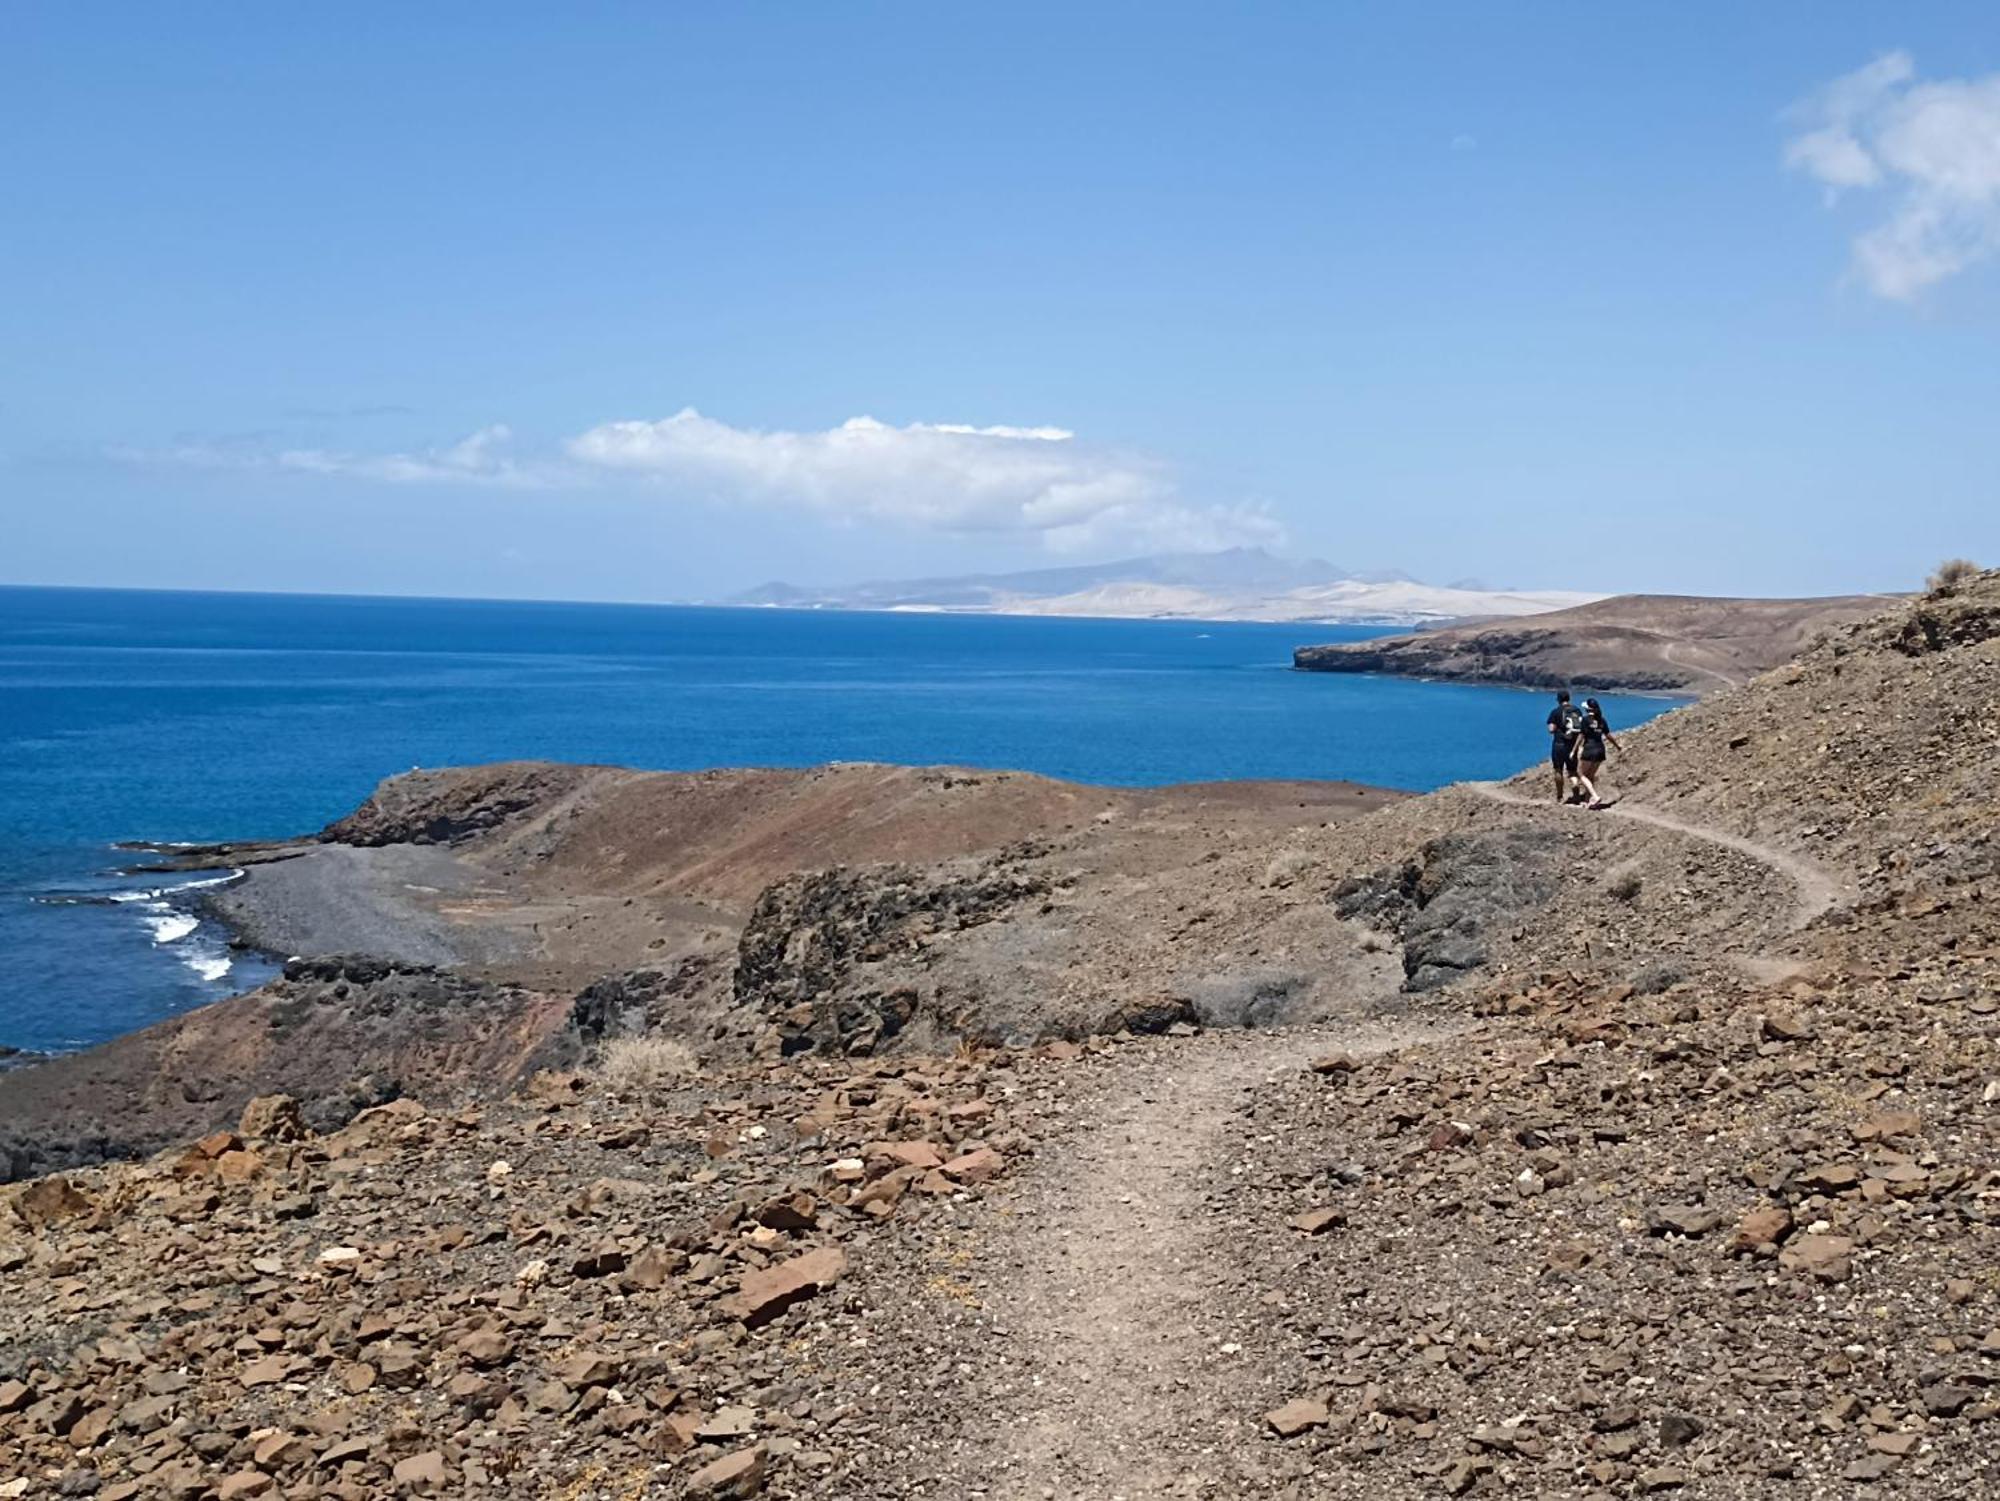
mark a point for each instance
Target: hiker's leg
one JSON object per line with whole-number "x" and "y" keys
{"x": 1586, "y": 773}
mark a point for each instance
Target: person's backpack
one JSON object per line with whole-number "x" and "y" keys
{"x": 1569, "y": 719}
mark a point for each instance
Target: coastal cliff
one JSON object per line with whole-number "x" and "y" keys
{"x": 1634, "y": 643}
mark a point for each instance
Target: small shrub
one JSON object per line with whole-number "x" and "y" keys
{"x": 1660, "y": 975}
{"x": 1286, "y": 867}
{"x": 1625, "y": 888}
{"x": 1951, "y": 573}
{"x": 638, "y": 1065}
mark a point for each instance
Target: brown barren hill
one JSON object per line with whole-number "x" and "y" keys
{"x": 1637, "y": 643}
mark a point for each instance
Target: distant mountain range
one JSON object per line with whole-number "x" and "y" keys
{"x": 1240, "y": 584}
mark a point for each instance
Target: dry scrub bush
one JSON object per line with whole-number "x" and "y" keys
{"x": 1286, "y": 867}
{"x": 636, "y": 1065}
{"x": 1950, "y": 574}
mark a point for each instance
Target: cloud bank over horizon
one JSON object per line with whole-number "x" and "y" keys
{"x": 1934, "y": 148}
{"x": 1038, "y": 482}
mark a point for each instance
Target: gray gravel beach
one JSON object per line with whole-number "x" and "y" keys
{"x": 337, "y": 899}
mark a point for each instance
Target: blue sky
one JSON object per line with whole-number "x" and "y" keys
{"x": 426, "y": 299}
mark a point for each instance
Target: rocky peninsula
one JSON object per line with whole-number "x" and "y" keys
{"x": 1632, "y": 643}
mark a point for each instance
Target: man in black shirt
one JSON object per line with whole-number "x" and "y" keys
{"x": 1565, "y": 725}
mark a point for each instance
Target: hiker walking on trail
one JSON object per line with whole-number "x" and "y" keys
{"x": 1565, "y": 729}
{"x": 1590, "y": 750}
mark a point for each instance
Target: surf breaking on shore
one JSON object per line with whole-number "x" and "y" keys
{"x": 170, "y": 917}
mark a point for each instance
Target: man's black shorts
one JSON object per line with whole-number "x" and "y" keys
{"x": 1560, "y": 750}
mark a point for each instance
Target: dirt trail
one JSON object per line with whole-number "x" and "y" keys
{"x": 1671, "y": 652}
{"x": 1123, "y": 1305}
{"x": 1819, "y": 889}
{"x": 1126, "y": 1342}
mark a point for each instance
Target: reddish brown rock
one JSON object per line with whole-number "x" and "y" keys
{"x": 1296, "y": 1417}
{"x": 588, "y": 1368}
{"x": 976, "y": 1167}
{"x": 1827, "y": 1257}
{"x": 907, "y": 1153}
{"x": 651, "y": 1268}
{"x": 733, "y": 1475}
{"x": 487, "y": 1347}
{"x": 238, "y": 1166}
{"x": 1762, "y": 1228}
{"x": 1890, "y": 1123}
{"x": 767, "y": 1293}
{"x": 425, "y": 1471}
{"x": 791, "y": 1213}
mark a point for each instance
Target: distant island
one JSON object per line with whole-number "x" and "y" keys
{"x": 1242, "y": 583}
{"x": 1635, "y": 643}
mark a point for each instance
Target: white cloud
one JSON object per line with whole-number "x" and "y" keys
{"x": 1933, "y": 147}
{"x": 1039, "y": 482}
{"x": 939, "y": 476}
{"x": 482, "y": 458}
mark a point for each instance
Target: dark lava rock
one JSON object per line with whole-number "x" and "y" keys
{"x": 1443, "y": 903}
{"x": 805, "y": 956}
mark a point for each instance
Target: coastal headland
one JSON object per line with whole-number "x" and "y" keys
{"x": 1631, "y": 643}
{"x": 877, "y": 1132}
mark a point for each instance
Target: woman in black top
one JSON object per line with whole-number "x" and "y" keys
{"x": 1590, "y": 748}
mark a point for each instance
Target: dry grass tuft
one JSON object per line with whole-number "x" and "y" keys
{"x": 1286, "y": 867}
{"x": 1950, "y": 574}
{"x": 636, "y": 1065}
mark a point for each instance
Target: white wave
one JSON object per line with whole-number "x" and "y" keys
{"x": 172, "y": 927}
{"x": 222, "y": 880}
{"x": 208, "y": 966}
{"x": 154, "y": 893}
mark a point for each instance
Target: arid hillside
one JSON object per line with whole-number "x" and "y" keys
{"x": 464, "y": 927}
{"x": 1640, "y": 643}
{"x": 1652, "y": 1151}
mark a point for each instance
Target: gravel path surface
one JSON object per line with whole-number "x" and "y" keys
{"x": 1819, "y": 889}
{"x": 1116, "y": 1351}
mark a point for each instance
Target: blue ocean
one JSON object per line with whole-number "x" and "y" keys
{"x": 131, "y": 715}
